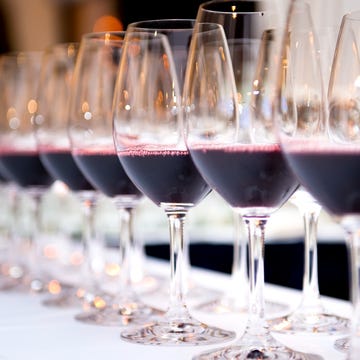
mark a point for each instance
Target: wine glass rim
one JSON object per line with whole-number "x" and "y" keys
{"x": 142, "y": 24}
{"x": 20, "y": 55}
{"x": 103, "y": 35}
{"x": 68, "y": 46}
{"x": 205, "y": 7}
{"x": 16, "y": 53}
{"x": 63, "y": 45}
{"x": 353, "y": 16}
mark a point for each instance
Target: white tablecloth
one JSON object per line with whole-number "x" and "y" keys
{"x": 29, "y": 330}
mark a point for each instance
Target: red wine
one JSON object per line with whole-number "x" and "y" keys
{"x": 104, "y": 170}
{"x": 25, "y": 168}
{"x": 165, "y": 176}
{"x": 247, "y": 176}
{"x": 331, "y": 176}
{"x": 2, "y": 178}
{"x": 61, "y": 165}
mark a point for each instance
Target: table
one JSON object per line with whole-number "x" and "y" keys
{"x": 29, "y": 330}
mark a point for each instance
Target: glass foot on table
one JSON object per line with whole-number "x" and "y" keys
{"x": 118, "y": 313}
{"x": 269, "y": 349}
{"x": 7, "y": 283}
{"x": 342, "y": 344}
{"x": 190, "y": 332}
{"x": 67, "y": 298}
{"x": 310, "y": 323}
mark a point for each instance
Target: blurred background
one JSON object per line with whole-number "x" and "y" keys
{"x": 37, "y": 24}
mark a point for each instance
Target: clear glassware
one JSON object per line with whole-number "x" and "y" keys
{"x": 238, "y": 154}
{"x": 50, "y": 129}
{"x": 18, "y": 154}
{"x": 310, "y": 315}
{"x": 178, "y": 32}
{"x": 148, "y": 135}
{"x": 92, "y": 147}
{"x": 238, "y": 19}
{"x": 324, "y": 151}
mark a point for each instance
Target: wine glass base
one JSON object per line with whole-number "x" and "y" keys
{"x": 310, "y": 323}
{"x": 68, "y": 298}
{"x": 7, "y": 283}
{"x": 168, "y": 333}
{"x": 342, "y": 344}
{"x": 239, "y": 352}
{"x": 117, "y": 314}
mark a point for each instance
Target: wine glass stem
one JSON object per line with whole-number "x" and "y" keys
{"x": 177, "y": 308}
{"x": 127, "y": 248}
{"x": 311, "y": 296}
{"x": 16, "y": 255}
{"x": 257, "y": 324}
{"x": 239, "y": 272}
{"x": 90, "y": 240}
{"x": 35, "y": 245}
{"x": 353, "y": 241}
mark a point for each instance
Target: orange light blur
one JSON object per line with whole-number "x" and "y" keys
{"x": 50, "y": 252}
{"x": 108, "y": 23}
{"x": 80, "y": 293}
{"x": 112, "y": 269}
{"x": 99, "y": 302}
{"x": 76, "y": 258}
{"x": 54, "y": 287}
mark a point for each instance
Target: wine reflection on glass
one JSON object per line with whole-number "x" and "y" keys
{"x": 148, "y": 135}
{"x": 320, "y": 147}
{"x": 19, "y": 157}
{"x": 93, "y": 150}
{"x": 243, "y": 162}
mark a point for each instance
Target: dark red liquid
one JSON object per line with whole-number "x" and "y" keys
{"x": 25, "y": 169}
{"x": 61, "y": 165}
{"x": 5, "y": 177}
{"x": 2, "y": 178}
{"x": 333, "y": 178}
{"x": 106, "y": 173}
{"x": 247, "y": 176}
{"x": 166, "y": 176}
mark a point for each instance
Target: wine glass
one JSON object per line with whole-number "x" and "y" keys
{"x": 240, "y": 20}
{"x": 317, "y": 146}
{"x": 50, "y": 129}
{"x": 178, "y": 32}
{"x": 18, "y": 154}
{"x": 311, "y": 315}
{"x": 148, "y": 135}
{"x": 93, "y": 150}
{"x": 240, "y": 158}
